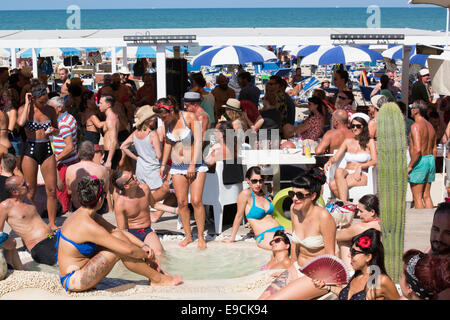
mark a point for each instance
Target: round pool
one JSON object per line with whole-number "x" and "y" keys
{"x": 218, "y": 261}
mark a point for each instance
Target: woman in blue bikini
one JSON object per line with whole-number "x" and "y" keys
{"x": 88, "y": 246}
{"x": 258, "y": 211}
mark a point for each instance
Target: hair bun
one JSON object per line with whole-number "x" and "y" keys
{"x": 317, "y": 174}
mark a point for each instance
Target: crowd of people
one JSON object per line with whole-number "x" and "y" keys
{"x": 121, "y": 150}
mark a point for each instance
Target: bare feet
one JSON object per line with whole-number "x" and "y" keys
{"x": 185, "y": 242}
{"x": 167, "y": 280}
{"x": 201, "y": 244}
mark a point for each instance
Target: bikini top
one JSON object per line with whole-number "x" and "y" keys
{"x": 357, "y": 157}
{"x": 185, "y": 137}
{"x": 343, "y": 295}
{"x": 313, "y": 242}
{"x": 256, "y": 212}
{"x": 33, "y": 125}
{"x": 86, "y": 249}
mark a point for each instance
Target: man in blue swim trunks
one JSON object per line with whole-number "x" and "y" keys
{"x": 25, "y": 221}
{"x": 132, "y": 202}
{"x": 422, "y": 149}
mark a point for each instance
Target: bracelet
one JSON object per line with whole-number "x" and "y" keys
{"x": 145, "y": 245}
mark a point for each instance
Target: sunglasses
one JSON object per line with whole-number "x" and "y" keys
{"x": 299, "y": 195}
{"x": 354, "y": 252}
{"x": 129, "y": 180}
{"x": 343, "y": 97}
{"x": 255, "y": 181}
{"x": 358, "y": 126}
{"x": 276, "y": 240}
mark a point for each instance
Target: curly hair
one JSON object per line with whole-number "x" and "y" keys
{"x": 90, "y": 191}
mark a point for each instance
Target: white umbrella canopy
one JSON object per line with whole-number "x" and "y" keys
{"x": 232, "y": 55}
{"x": 4, "y": 53}
{"x": 340, "y": 54}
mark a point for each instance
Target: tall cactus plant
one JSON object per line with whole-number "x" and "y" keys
{"x": 392, "y": 184}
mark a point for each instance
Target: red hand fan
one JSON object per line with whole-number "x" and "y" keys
{"x": 327, "y": 268}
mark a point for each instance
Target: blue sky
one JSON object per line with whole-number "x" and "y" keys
{"x": 116, "y": 4}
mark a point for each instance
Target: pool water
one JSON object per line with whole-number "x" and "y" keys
{"x": 218, "y": 261}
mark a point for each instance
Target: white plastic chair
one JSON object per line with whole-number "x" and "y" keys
{"x": 356, "y": 192}
{"x": 217, "y": 195}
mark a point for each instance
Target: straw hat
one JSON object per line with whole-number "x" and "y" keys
{"x": 233, "y": 104}
{"x": 376, "y": 99}
{"x": 144, "y": 113}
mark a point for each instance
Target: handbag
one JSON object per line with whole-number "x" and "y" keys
{"x": 342, "y": 212}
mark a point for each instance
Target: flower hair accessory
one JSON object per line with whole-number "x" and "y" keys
{"x": 364, "y": 242}
{"x": 413, "y": 281}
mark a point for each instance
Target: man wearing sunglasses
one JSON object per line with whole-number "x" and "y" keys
{"x": 423, "y": 150}
{"x": 132, "y": 202}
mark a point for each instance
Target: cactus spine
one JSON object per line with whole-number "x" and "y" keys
{"x": 392, "y": 184}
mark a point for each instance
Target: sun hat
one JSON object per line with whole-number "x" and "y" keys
{"x": 192, "y": 97}
{"x": 144, "y": 113}
{"x": 360, "y": 115}
{"x": 233, "y": 104}
{"x": 124, "y": 70}
{"x": 377, "y": 99}
{"x": 424, "y": 72}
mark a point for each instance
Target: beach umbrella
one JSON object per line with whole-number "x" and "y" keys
{"x": 58, "y": 52}
{"x": 340, "y": 55}
{"x": 396, "y": 52}
{"x": 135, "y": 52}
{"x": 26, "y": 53}
{"x": 228, "y": 55}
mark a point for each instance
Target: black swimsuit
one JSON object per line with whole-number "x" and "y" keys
{"x": 38, "y": 149}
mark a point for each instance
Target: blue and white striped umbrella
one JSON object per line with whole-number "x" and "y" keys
{"x": 396, "y": 52}
{"x": 340, "y": 54}
{"x": 226, "y": 55}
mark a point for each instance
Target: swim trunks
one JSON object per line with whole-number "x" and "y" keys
{"x": 424, "y": 170}
{"x": 3, "y": 238}
{"x": 141, "y": 233}
{"x": 45, "y": 251}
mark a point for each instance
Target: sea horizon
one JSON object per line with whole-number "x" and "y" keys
{"x": 426, "y": 18}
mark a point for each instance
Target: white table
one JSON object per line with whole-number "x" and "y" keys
{"x": 275, "y": 158}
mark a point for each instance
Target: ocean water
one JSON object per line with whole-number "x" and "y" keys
{"x": 408, "y": 17}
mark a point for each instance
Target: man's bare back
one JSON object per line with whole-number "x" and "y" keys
{"x": 333, "y": 139}
{"x": 25, "y": 221}
{"x": 82, "y": 169}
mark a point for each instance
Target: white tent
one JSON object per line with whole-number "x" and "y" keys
{"x": 439, "y": 66}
